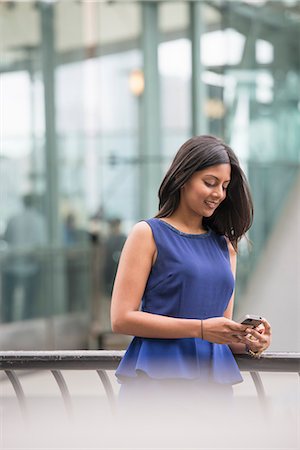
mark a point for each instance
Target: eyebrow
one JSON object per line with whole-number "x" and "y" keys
{"x": 209, "y": 175}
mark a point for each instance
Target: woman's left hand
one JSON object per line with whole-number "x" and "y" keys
{"x": 259, "y": 338}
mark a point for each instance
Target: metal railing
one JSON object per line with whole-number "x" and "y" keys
{"x": 102, "y": 360}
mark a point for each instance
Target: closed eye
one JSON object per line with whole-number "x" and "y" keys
{"x": 213, "y": 185}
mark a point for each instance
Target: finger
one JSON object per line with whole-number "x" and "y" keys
{"x": 255, "y": 334}
{"x": 250, "y": 333}
{"x": 249, "y": 330}
{"x": 238, "y": 339}
{"x": 244, "y": 340}
{"x": 251, "y": 341}
{"x": 234, "y": 326}
{"x": 265, "y": 342}
{"x": 255, "y": 341}
{"x": 262, "y": 342}
{"x": 263, "y": 338}
{"x": 267, "y": 325}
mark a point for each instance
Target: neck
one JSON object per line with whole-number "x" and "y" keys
{"x": 187, "y": 221}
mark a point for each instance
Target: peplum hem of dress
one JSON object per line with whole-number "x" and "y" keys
{"x": 187, "y": 358}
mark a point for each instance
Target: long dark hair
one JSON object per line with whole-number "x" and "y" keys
{"x": 234, "y": 216}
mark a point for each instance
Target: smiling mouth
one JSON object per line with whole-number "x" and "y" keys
{"x": 211, "y": 205}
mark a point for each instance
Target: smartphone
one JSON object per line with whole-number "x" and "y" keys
{"x": 251, "y": 320}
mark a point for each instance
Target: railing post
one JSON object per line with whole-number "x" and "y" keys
{"x": 64, "y": 391}
{"x": 13, "y": 378}
{"x": 109, "y": 390}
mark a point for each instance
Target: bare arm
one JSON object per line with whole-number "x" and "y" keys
{"x": 133, "y": 271}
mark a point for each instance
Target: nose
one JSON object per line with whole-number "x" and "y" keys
{"x": 218, "y": 192}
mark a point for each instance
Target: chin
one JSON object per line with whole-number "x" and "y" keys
{"x": 207, "y": 214}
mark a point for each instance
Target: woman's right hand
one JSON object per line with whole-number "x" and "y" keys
{"x": 221, "y": 330}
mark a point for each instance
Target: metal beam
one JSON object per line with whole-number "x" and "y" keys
{"x": 149, "y": 145}
{"x": 56, "y": 297}
{"x": 198, "y": 87}
{"x": 51, "y": 163}
{"x": 110, "y": 360}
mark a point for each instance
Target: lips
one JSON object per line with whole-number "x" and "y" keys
{"x": 211, "y": 205}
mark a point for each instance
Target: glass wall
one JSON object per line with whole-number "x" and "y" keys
{"x": 69, "y": 149}
{"x": 174, "y": 63}
{"x": 262, "y": 101}
{"x": 97, "y": 97}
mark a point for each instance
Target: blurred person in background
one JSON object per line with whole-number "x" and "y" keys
{"x": 110, "y": 251}
{"x": 71, "y": 233}
{"x": 174, "y": 288}
{"x": 96, "y": 236}
{"x": 73, "y": 237}
{"x": 25, "y": 234}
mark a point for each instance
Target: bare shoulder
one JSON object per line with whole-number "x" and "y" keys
{"x": 141, "y": 235}
{"x": 141, "y": 230}
{"x": 138, "y": 251}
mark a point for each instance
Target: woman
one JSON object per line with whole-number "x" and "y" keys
{"x": 179, "y": 266}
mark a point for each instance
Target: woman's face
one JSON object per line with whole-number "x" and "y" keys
{"x": 206, "y": 189}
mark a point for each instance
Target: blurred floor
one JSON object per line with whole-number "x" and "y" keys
{"x": 93, "y": 426}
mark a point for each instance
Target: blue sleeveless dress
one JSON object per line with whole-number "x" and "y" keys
{"x": 191, "y": 278}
